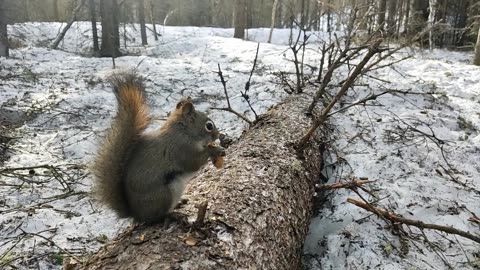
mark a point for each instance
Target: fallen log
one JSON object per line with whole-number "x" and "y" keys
{"x": 259, "y": 206}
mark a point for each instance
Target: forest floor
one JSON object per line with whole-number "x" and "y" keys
{"x": 421, "y": 144}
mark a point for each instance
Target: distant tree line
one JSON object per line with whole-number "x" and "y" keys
{"x": 453, "y": 23}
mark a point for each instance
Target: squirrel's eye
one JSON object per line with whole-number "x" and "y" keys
{"x": 209, "y": 126}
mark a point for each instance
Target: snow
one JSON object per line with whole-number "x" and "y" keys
{"x": 69, "y": 105}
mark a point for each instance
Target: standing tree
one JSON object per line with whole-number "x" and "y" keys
{"x": 431, "y": 20}
{"x": 3, "y": 29}
{"x": 418, "y": 18}
{"x": 93, "y": 19}
{"x": 110, "y": 36}
{"x": 407, "y": 15}
{"x": 240, "y": 18}
{"x": 152, "y": 18}
{"x": 274, "y": 10}
{"x": 382, "y": 8}
{"x": 56, "y": 16}
{"x": 391, "y": 22}
{"x": 476, "y": 58}
{"x": 141, "y": 17}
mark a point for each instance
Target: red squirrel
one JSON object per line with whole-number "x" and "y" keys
{"x": 143, "y": 174}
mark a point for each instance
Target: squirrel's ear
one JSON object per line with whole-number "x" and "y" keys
{"x": 187, "y": 108}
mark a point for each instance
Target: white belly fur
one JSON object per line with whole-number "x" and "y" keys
{"x": 177, "y": 186}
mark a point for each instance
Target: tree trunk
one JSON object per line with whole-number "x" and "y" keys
{"x": 240, "y": 18}
{"x": 329, "y": 16}
{"x": 431, "y": 20}
{"x": 110, "y": 36}
{"x": 56, "y": 16}
{"x": 279, "y": 16}
{"x": 391, "y": 23}
{"x": 3, "y": 29}
{"x": 93, "y": 19}
{"x": 274, "y": 10}
{"x": 418, "y": 16}
{"x": 382, "y": 7}
{"x": 407, "y": 16}
{"x": 152, "y": 19}
{"x": 476, "y": 58}
{"x": 259, "y": 206}
{"x": 400, "y": 18}
{"x": 141, "y": 18}
{"x": 69, "y": 24}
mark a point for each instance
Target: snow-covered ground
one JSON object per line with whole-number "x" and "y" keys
{"x": 68, "y": 105}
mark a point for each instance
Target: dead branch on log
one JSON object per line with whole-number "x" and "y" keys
{"x": 247, "y": 84}
{"x": 372, "y": 50}
{"x": 229, "y": 106}
{"x": 416, "y": 223}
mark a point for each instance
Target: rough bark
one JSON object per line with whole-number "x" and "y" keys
{"x": 240, "y": 18}
{"x": 259, "y": 206}
{"x": 141, "y": 17}
{"x": 3, "y": 30}
{"x": 69, "y": 24}
{"x": 110, "y": 36}
{"x": 476, "y": 58}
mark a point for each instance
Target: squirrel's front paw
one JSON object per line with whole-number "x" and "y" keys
{"x": 216, "y": 153}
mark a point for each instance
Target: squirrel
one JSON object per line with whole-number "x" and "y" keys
{"x": 142, "y": 174}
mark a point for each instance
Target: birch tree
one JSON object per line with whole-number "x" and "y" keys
{"x": 476, "y": 58}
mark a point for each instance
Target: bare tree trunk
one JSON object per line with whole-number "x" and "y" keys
{"x": 56, "y": 16}
{"x": 274, "y": 10}
{"x": 431, "y": 20}
{"x": 259, "y": 206}
{"x": 400, "y": 18}
{"x": 110, "y": 36}
{"x": 476, "y": 58}
{"x": 418, "y": 16}
{"x": 382, "y": 9}
{"x": 279, "y": 18}
{"x": 141, "y": 17}
{"x": 93, "y": 19}
{"x": 391, "y": 23}
{"x": 240, "y": 18}
{"x": 69, "y": 24}
{"x": 407, "y": 16}
{"x": 152, "y": 19}
{"x": 3, "y": 29}
{"x": 329, "y": 16}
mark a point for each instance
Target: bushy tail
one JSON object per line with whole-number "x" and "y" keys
{"x": 116, "y": 148}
